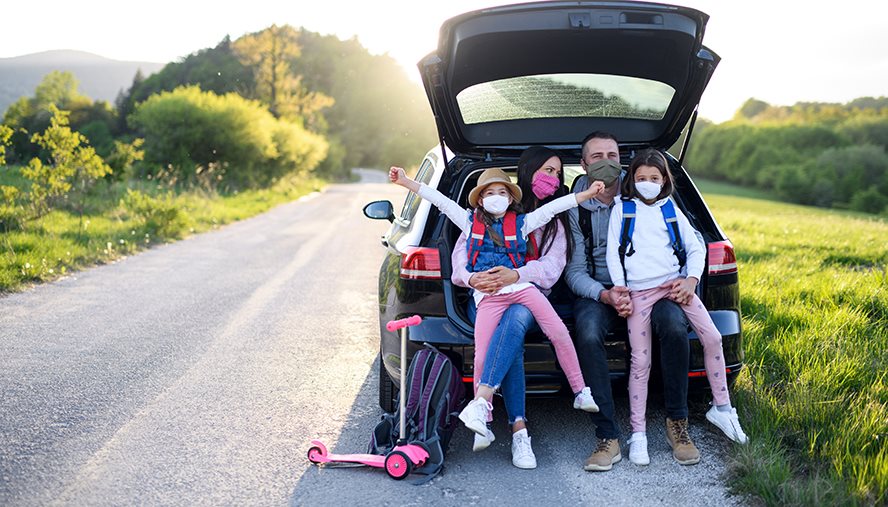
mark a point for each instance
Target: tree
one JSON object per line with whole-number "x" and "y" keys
{"x": 5, "y": 134}
{"x": 751, "y": 108}
{"x": 59, "y": 90}
{"x": 71, "y": 163}
{"x": 271, "y": 53}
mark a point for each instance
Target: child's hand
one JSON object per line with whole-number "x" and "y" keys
{"x": 399, "y": 177}
{"x": 592, "y": 191}
{"x": 683, "y": 290}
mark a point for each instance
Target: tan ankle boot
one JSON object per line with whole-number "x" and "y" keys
{"x": 683, "y": 449}
{"x": 605, "y": 455}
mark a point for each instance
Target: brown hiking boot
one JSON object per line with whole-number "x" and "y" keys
{"x": 605, "y": 455}
{"x": 683, "y": 449}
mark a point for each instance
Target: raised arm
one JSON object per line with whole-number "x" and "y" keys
{"x": 456, "y": 213}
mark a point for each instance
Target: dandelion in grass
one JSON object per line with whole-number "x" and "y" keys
{"x": 27, "y": 265}
{"x": 122, "y": 241}
{"x": 51, "y": 271}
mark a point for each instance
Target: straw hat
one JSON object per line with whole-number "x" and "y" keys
{"x": 493, "y": 176}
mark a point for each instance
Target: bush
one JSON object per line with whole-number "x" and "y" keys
{"x": 187, "y": 128}
{"x": 869, "y": 201}
{"x": 161, "y": 216}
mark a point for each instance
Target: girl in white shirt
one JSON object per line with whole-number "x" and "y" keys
{"x": 650, "y": 267}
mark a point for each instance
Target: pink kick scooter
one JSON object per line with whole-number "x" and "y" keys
{"x": 399, "y": 462}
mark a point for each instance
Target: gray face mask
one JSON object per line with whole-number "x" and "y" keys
{"x": 607, "y": 171}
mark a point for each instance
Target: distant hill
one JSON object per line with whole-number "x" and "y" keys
{"x": 100, "y": 78}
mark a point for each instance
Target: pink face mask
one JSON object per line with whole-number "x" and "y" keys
{"x": 544, "y": 185}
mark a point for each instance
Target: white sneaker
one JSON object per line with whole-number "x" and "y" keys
{"x": 483, "y": 441}
{"x": 474, "y": 416}
{"x": 728, "y": 422}
{"x": 522, "y": 454}
{"x": 638, "y": 449}
{"x": 584, "y": 401}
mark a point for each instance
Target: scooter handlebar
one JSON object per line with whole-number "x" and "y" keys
{"x": 394, "y": 325}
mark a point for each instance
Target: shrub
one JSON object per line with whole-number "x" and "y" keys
{"x": 72, "y": 162}
{"x": 161, "y": 216}
{"x": 188, "y": 128}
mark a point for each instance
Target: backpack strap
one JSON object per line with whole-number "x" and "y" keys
{"x": 417, "y": 376}
{"x": 476, "y": 239}
{"x": 585, "y": 223}
{"x": 668, "y": 210}
{"x": 533, "y": 250}
{"x": 424, "y": 403}
{"x": 626, "y": 234}
{"x": 510, "y": 236}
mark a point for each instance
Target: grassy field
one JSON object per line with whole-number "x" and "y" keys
{"x": 813, "y": 397}
{"x": 115, "y": 225}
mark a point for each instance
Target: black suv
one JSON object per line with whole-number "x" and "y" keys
{"x": 547, "y": 73}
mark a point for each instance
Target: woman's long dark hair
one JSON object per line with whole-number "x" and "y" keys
{"x": 531, "y": 160}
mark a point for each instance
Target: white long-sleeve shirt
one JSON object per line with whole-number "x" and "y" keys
{"x": 462, "y": 217}
{"x": 654, "y": 261}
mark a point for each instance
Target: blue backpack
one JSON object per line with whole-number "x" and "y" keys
{"x": 435, "y": 394}
{"x": 626, "y": 249}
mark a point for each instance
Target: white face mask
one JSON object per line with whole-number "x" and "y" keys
{"x": 495, "y": 204}
{"x": 648, "y": 189}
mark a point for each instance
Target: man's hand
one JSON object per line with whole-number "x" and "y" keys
{"x": 683, "y": 290}
{"x": 618, "y": 297}
{"x": 493, "y": 279}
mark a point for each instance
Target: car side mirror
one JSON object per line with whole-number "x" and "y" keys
{"x": 380, "y": 210}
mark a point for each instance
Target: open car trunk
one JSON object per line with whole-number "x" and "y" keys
{"x": 548, "y": 73}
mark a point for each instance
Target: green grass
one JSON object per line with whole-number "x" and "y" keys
{"x": 61, "y": 242}
{"x": 709, "y": 187}
{"x": 813, "y": 395}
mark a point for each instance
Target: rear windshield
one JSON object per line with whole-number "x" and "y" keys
{"x": 565, "y": 95}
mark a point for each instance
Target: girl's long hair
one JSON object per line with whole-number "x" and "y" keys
{"x": 530, "y": 161}
{"x": 653, "y": 158}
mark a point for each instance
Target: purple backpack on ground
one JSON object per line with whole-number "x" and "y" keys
{"x": 435, "y": 394}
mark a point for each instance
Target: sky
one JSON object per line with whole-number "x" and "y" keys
{"x": 779, "y": 51}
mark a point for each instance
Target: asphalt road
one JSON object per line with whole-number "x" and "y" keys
{"x": 197, "y": 373}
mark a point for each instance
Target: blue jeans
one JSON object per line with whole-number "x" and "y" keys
{"x": 504, "y": 363}
{"x": 593, "y": 322}
{"x": 670, "y": 327}
{"x": 508, "y": 356}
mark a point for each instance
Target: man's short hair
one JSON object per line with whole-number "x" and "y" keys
{"x": 598, "y": 134}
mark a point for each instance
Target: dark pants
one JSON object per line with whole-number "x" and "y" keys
{"x": 593, "y": 322}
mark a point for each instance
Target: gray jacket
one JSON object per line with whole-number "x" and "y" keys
{"x": 586, "y": 273}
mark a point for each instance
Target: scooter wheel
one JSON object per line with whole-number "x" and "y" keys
{"x": 398, "y": 465}
{"x": 314, "y": 455}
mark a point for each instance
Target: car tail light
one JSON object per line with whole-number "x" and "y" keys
{"x": 721, "y": 258}
{"x": 420, "y": 263}
{"x": 703, "y": 373}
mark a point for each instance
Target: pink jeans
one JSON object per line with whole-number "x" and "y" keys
{"x": 491, "y": 310}
{"x": 639, "y": 324}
